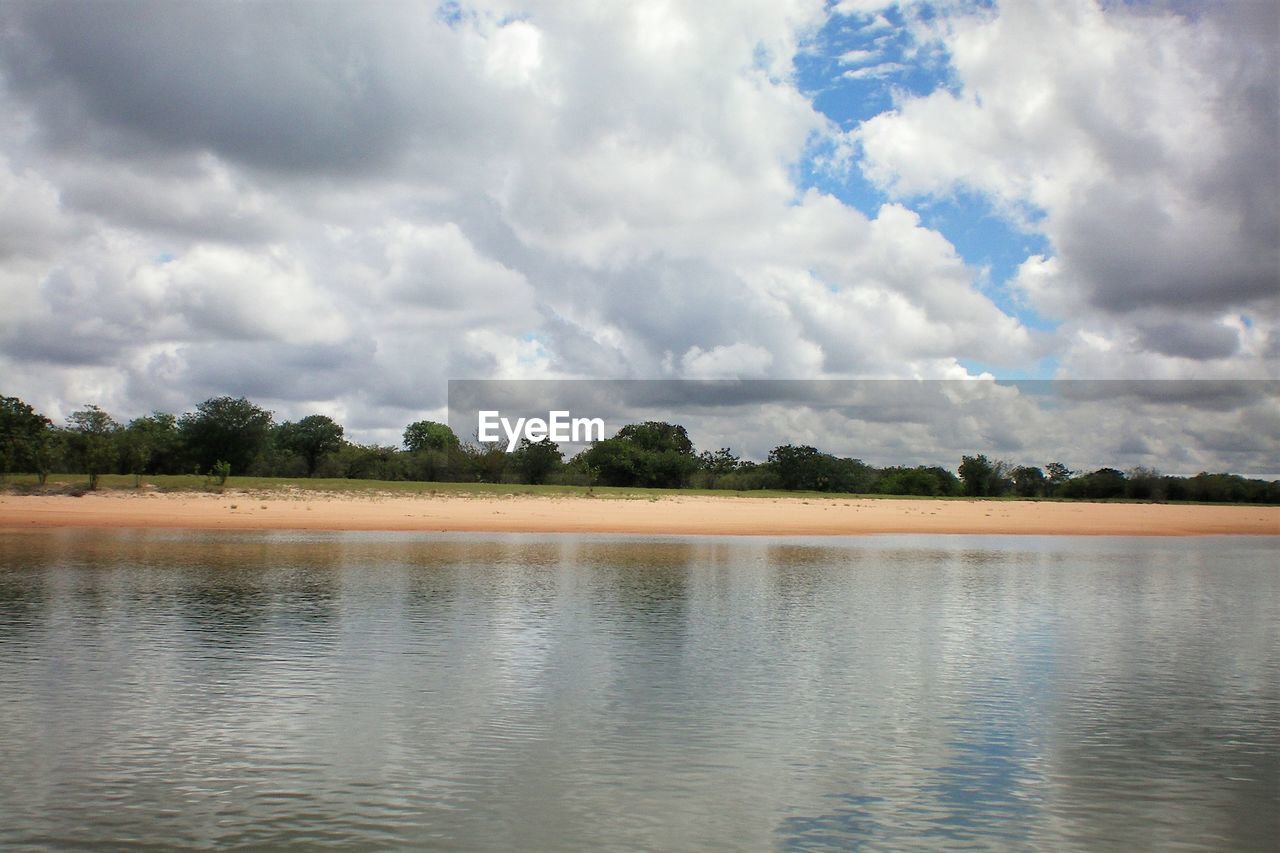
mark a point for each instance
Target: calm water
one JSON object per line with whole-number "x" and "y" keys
{"x": 587, "y": 693}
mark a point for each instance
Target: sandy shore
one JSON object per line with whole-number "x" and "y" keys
{"x": 667, "y": 515}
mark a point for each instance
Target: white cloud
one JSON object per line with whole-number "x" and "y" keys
{"x": 870, "y": 72}
{"x": 435, "y": 273}
{"x": 229, "y": 295}
{"x": 1143, "y": 145}
{"x": 347, "y": 206}
{"x": 32, "y": 222}
{"x": 863, "y": 7}
{"x": 731, "y": 362}
{"x": 514, "y": 54}
{"x": 858, "y": 57}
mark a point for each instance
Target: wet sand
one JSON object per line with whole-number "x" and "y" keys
{"x": 693, "y": 514}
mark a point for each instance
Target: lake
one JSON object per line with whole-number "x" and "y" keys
{"x": 577, "y": 692}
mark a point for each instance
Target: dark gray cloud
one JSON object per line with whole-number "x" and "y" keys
{"x": 274, "y": 371}
{"x": 1190, "y": 339}
{"x": 1207, "y": 395}
{"x": 1218, "y": 254}
{"x": 177, "y": 198}
{"x": 284, "y": 86}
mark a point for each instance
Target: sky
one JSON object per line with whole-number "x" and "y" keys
{"x": 339, "y": 207}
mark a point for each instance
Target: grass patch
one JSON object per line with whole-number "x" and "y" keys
{"x": 77, "y": 484}
{"x": 60, "y": 483}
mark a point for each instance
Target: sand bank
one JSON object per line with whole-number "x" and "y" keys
{"x": 667, "y": 515}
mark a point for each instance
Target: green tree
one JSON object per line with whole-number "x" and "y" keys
{"x": 371, "y": 462}
{"x": 536, "y": 461}
{"x": 1106, "y": 483}
{"x": 229, "y": 429}
{"x": 976, "y": 472}
{"x": 847, "y": 475}
{"x": 797, "y": 466}
{"x": 91, "y": 436}
{"x": 134, "y": 444}
{"x": 1099, "y": 485}
{"x": 914, "y": 481}
{"x": 1222, "y": 487}
{"x": 47, "y": 448}
{"x": 1029, "y": 482}
{"x": 220, "y": 471}
{"x": 803, "y": 467}
{"x": 486, "y": 463}
{"x": 150, "y": 445}
{"x": 750, "y": 476}
{"x": 579, "y": 472}
{"x": 1058, "y": 474}
{"x": 948, "y": 482}
{"x": 312, "y": 438}
{"x": 429, "y": 435}
{"x": 614, "y": 462}
{"x": 435, "y": 453}
{"x": 658, "y": 437}
{"x": 668, "y": 469}
{"x": 653, "y": 454}
{"x": 1145, "y": 484}
{"x": 25, "y": 439}
{"x": 716, "y": 466}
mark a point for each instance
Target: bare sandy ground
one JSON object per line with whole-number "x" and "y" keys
{"x": 667, "y": 515}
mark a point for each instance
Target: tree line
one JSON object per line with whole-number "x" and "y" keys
{"x": 226, "y": 435}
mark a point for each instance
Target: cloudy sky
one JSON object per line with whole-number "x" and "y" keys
{"x": 338, "y": 207}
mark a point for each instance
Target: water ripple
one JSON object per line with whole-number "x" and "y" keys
{"x": 258, "y": 690}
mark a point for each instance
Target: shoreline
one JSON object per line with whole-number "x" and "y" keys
{"x": 665, "y": 515}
